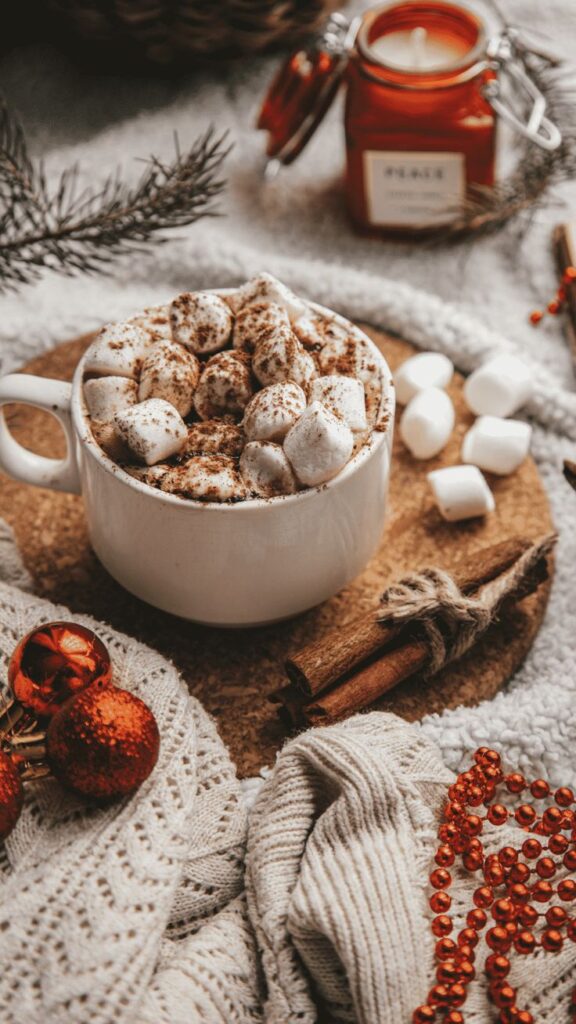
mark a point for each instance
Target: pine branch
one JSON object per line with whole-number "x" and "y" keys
{"x": 63, "y": 228}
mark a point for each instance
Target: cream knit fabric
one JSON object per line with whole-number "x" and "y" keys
{"x": 136, "y": 913}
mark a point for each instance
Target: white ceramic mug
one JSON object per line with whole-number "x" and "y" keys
{"x": 246, "y": 564}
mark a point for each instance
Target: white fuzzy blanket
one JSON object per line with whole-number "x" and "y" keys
{"x": 297, "y": 228}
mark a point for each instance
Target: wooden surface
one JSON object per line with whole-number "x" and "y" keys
{"x": 231, "y": 672}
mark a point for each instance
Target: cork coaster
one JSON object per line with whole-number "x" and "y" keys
{"x": 232, "y": 671}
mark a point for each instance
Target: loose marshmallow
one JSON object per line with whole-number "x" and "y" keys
{"x": 497, "y": 445}
{"x": 427, "y": 422}
{"x": 170, "y": 372}
{"x": 225, "y": 387}
{"x": 500, "y": 387}
{"x": 153, "y": 430}
{"x": 105, "y": 396}
{"x": 272, "y": 411}
{"x": 206, "y": 478}
{"x": 426, "y": 370}
{"x": 155, "y": 320}
{"x": 266, "y": 470}
{"x": 201, "y": 321}
{"x": 461, "y": 492}
{"x": 344, "y": 396}
{"x": 345, "y": 351}
{"x": 319, "y": 445}
{"x": 151, "y": 475}
{"x": 215, "y": 437}
{"x": 117, "y": 351}
{"x": 281, "y": 357}
{"x": 266, "y": 288}
{"x": 256, "y": 321}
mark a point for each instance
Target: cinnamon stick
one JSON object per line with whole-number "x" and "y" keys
{"x": 323, "y": 662}
{"x": 366, "y": 686}
{"x": 570, "y": 472}
{"x": 565, "y": 246}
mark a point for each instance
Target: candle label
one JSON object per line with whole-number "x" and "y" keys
{"x": 413, "y": 189}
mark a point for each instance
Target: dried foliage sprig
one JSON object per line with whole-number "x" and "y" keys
{"x": 537, "y": 171}
{"x": 73, "y": 230}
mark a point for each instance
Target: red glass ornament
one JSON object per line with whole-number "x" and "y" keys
{"x": 103, "y": 742}
{"x": 11, "y": 795}
{"x": 55, "y": 661}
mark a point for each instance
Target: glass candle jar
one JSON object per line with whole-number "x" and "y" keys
{"x": 423, "y": 102}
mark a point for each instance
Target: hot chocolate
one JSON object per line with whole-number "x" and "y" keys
{"x": 225, "y": 397}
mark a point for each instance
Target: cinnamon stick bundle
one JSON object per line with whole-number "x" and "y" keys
{"x": 570, "y": 473}
{"x": 401, "y": 651}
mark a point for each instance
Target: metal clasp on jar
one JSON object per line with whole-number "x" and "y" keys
{"x": 507, "y": 56}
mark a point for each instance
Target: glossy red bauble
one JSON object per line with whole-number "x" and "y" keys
{"x": 11, "y": 795}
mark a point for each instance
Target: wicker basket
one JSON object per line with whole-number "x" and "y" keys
{"x": 170, "y": 31}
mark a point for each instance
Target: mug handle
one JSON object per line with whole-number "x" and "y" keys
{"x": 54, "y": 396}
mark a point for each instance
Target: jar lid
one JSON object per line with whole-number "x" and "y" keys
{"x": 303, "y": 90}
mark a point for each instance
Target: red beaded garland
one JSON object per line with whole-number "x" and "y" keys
{"x": 515, "y": 881}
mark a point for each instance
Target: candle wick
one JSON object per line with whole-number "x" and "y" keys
{"x": 418, "y": 37}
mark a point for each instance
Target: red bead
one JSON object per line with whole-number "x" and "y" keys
{"x": 442, "y": 925}
{"x": 524, "y": 942}
{"x": 497, "y": 966}
{"x": 483, "y": 897}
{"x": 490, "y": 757}
{"x": 569, "y": 860}
{"x": 508, "y": 856}
{"x": 439, "y": 995}
{"x": 515, "y": 782}
{"x": 552, "y": 940}
{"x": 473, "y": 860}
{"x": 499, "y": 939}
{"x": 457, "y": 791}
{"x": 519, "y": 873}
{"x": 440, "y": 878}
{"x": 528, "y": 916}
{"x": 569, "y": 275}
{"x": 531, "y": 849}
{"x": 525, "y": 815}
{"x": 564, "y": 796}
{"x": 571, "y": 930}
{"x": 475, "y": 796}
{"x": 445, "y": 949}
{"x": 558, "y": 844}
{"x": 539, "y": 789}
{"x": 423, "y": 1015}
{"x": 542, "y": 891}
{"x": 54, "y": 662}
{"x": 473, "y": 844}
{"x": 456, "y": 994}
{"x": 444, "y": 856}
{"x": 503, "y": 995}
{"x": 554, "y": 306}
{"x": 453, "y": 811}
{"x": 472, "y": 825}
{"x": 476, "y": 919}
{"x": 447, "y": 972}
{"x": 511, "y": 927}
{"x": 493, "y": 775}
{"x": 494, "y": 873}
{"x": 546, "y": 867}
{"x": 508, "y": 1015}
{"x": 556, "y": 916}
{"x": 454, "y": 1017}
{"x": 440, "y": 902}
{"x": 552, "y": 819}
{"x": 497, "y": 814}
{"x": 567, "y": 889}
{"x": 518, "y": 892}
{"x": 468, "y": 937}
{"x": 502, "y": 911}
{"x": 449, "y": 832}
{"x": 536, "y": 316}
{"x": 466, "y": 969}
{"x": 524, "y": 1017}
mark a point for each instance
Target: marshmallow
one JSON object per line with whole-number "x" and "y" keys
{"x": 344, "y": 396}
{"x": 345, "y": 351}
{"x": 427, "y": 422}
{"x": 426, "y": 370}
{"x": 461, "y": 492}
{"x": 105, "y": 396}
{"x": 225, "y": 387}
{"x": 309, "y": 330}
{"x": 266, "y": 470}
{"x": 201, "y": 321}
{"x": 206, "y": 478}
{"x": 117, "y": 351}
{"x": 170, "y": 372}
{"x": 266, "y": 288}
{"x": 257, "y": 321}
{"x": 151, "y": 475}
{"x": 214, "y": 437}
{"x": 155, "y": 320}
{"x": 107, "y": 436}
{"x": 319, "y": 445}
{"x": 499, "y": 387}
{"x": 497, "y": 445}
{"x": 281, "y": 357}
{"x": 153, "y": 430}
{"x": 272, "y": 411}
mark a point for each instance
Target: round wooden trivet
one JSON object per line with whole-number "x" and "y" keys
{"x": 232, "y": 671}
